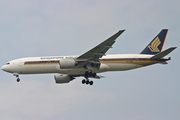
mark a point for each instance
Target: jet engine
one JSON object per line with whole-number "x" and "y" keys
{"x": 61, "y": 78}
{"x": 67, "y": 63}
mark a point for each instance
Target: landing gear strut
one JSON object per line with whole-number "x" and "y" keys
{"x": 89, "y": 74}
{"x": 17, "y": 76}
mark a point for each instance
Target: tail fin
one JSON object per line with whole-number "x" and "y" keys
{"x": 156, "y": 45}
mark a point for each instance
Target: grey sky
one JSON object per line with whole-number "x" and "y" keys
{"x": 57, "y": 27}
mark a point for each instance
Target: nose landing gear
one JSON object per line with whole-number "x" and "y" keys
{"x": 18, "y": 79}
{"x": 17, "y": 76}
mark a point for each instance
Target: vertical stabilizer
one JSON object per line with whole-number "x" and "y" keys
{"x": 156, "y": 45}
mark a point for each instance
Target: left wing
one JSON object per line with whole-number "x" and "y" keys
{"x": 90, "y": 59}
{"x": 100, "y": 50}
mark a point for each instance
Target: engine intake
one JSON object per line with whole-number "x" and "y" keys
{"x": 67, "y": 63}
{"x": 61, "y": 78}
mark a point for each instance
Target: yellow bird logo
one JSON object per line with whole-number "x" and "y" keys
{"x": 154, "y": 45}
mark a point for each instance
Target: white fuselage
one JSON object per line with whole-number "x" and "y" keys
{"x": 39, "y": 65}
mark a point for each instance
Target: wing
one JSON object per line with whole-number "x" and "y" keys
{"x": 90, "y": 59}
{"x": 100, "y": 50}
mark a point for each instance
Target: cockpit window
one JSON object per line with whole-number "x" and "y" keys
{"x": 7, "y": 63}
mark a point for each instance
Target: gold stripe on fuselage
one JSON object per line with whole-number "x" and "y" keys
{"x": 41, "y": 62}
{"x": 143, "y": 62}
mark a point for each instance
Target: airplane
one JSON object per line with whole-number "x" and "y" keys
{"x": 92, "y": 62}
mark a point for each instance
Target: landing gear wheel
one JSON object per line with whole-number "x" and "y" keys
{"x": 87, "y": 82}
{"x": 83, "y": 81}
{"x": 18, "y": 79}
{"x": 91, "y": 82}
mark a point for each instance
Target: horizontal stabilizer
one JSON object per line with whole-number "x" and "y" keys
{"x": 163, "y": 53}
{"x": 163, "y": 62}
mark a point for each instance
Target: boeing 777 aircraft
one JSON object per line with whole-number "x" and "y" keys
{"x": 91, "y": 62}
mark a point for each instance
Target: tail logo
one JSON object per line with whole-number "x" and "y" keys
{"x": 154, "y": 45}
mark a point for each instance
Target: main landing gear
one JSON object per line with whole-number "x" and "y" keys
{"x": 87, "y": 82}
{"x": 87, "y": 75}
{"x": 17, "y": 76}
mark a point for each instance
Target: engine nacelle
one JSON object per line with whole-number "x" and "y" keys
{"x": 67, "y": 63}
{"x": 60, "y": 78}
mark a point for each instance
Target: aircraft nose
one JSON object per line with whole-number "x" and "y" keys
{"x": 4, "y": 68}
